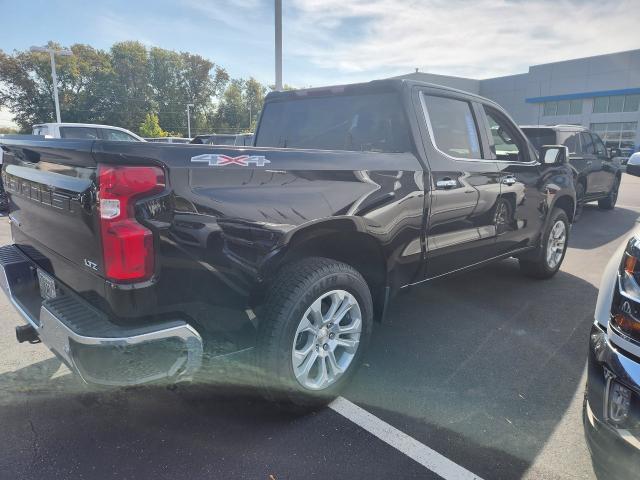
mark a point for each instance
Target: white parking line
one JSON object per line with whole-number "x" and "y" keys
{"x": 402, "y": 442}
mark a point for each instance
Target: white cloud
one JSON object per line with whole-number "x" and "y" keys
{"x": 479, "y": 39}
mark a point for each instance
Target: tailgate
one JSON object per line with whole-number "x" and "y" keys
{"x": 53, "y": 201}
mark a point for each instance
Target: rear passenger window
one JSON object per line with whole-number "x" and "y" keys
{"x": 452, "y": 126}
{"x": 587, "y": 143}
{"x": 79, "y": 132}
{"x": 600, "y": 148}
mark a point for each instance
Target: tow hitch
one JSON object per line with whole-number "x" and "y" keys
{"x": 26, "y": 333}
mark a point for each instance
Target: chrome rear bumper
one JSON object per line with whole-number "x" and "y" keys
{"x": 89, "y": 344}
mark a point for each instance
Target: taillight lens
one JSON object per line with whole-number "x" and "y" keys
{"x": 127, "y": 245}
{"x": 626, "y": 309}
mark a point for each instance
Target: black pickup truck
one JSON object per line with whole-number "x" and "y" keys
{"x": 134, "y": 262}
{"x": 595, "y": 174}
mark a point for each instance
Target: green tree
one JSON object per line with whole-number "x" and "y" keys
{"x": 253, "y": 96}
{"x": 129, "y": 93}
{"x": 230, "y": 114}
{"x": 150, "y": 127}
{"x": 121, "y": 85}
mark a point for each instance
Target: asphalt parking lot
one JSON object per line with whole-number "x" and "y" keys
{"x": 486, "y": 368}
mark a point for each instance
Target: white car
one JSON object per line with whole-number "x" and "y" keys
{"x": 87, "y": 131}
{"x": 168, "y": 140}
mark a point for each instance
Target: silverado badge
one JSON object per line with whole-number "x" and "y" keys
{"x": 217, "y": 160}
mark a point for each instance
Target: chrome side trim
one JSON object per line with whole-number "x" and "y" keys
{"x": 460, "y": 159}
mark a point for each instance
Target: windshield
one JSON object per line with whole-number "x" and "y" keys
{"x": 374, "y": 123}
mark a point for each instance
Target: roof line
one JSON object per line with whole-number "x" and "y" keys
{"x": 573, "y": 96}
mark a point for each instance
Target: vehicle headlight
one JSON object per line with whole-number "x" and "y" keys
{"x": 626, "y": 307}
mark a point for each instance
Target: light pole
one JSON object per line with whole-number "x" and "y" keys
{"x": 189, "y": 105}
{"x": 52, "y": 53}
{"x": 278, "y": 12}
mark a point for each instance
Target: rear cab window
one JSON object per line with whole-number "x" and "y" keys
{"x": 87, "y": 133}
{"x": 354, "y": 122}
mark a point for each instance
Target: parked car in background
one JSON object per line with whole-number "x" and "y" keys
{"x": 633, "y": 163}
{"x": 287, "y": 253}
{"x": 612, "y": 399}
{"x": 597, "y": 176}
{"x": 238, "y": 140}
{"x": 169, "y": 140}
{"x": 87, "y": 131}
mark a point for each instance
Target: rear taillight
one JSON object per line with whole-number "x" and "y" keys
{"x": 626, "y": 308}
{"x": 127, "y": 245}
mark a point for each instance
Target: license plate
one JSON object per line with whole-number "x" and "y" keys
{"x": 47, "y": 285}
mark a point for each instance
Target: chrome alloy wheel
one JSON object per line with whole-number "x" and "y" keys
{"x": 326, "y": 340}
{"x": 556, "y": 243}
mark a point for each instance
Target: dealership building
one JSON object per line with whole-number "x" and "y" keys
{"x": 601, "y": 93}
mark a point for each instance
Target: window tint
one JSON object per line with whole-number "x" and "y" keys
{"x": 571, "y": 140}
{"x": 600, "y": 149}
{"x": 632, "y": 103}
{"x": 600, "y": 104}
{"x": 587, "y": 144}
{"x": 540, "y": 136}
{"x": 575, "y": 107}
{"x": 616, "y": 103}
{"x": 505, "y": 141}
{"x": 453, "y": 126}
{"x": 367, "y": 122}
{"x": 79, "y": 132}
{"x": 550, "y": 108}
{"x": 563, "y": 107}
{"x": 117, "y": 136}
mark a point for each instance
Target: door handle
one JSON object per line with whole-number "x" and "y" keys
{"x": 589, "y": 163}
{"x": 446, "y": 184}
{"x": 509, "y": 180}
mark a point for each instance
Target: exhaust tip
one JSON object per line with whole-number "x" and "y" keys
{"x": 26, "y": 333}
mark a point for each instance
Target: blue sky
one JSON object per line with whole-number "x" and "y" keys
{"x": 338, "y": 41}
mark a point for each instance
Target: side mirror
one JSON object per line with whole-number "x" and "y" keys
{"x": 633, "y": 165}
{"x": 554, "y": 154}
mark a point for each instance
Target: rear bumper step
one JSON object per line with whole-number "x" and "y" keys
{"x": 89, "y": 344}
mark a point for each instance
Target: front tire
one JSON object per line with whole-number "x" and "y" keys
{"x": 548, "y": 257}
{"x": 315, "y": 327}
{"x": 609, "y": 202}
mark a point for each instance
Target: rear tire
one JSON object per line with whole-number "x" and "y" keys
{"x": 315, "y": 327}
{"x": 609, "y": 202}
{"x": 547, "y": 258}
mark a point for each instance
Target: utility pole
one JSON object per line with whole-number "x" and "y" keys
{"x": 189, "y": 105}
{"x": 54, "y": 77}
{"x": 278, "y": 12}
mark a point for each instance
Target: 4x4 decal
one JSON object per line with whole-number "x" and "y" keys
{"x": 217, "y": 160}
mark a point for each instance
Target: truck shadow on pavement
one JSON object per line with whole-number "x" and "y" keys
{"x": 488, "y": 359}
{"x": 610, "y": 225}
{"x": 481, "y": 367}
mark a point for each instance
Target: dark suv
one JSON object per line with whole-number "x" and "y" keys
{"x": 596, "y": 176}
